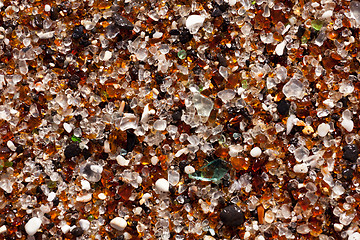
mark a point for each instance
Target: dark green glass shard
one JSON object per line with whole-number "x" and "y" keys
{"x": 213, "y": 171}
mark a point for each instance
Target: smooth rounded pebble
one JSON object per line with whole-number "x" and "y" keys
{"x": 84, "y": 224}
{"x": 189, "y": 169}
{"x": 33, "y": 225}
{"x": 162, "y": 185}
{"x": 323, "y": 129}
{"x": 255, "y": 152}
{"x": 118, "y": 223}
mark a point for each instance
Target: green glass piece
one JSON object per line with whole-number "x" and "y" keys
{"x": 244, "y": 84}
{"x": 9, "y": 164}
{"x": 91, "y": 217}
{"x": 182, "y": 54}
{"x": 304, "y": 39}
{"x": 75, "y": 139}
{"x": 317, "y": 24}
{"x": 253, "y": 2}
{"x": 213, "y": 171}
{"x": 51, "y": 184}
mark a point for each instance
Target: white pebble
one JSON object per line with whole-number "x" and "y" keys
{"x": 65, "y": 229}
{"x": 47, "y": 8}
{"x": 84, "y": 198}
{"x": 11, "y": 146}
{"x": 189, "y": 169}
{"x": 67, "y": 127}
{"x": 347, "y": 124}
{"x": 323, "y": 129}
{"x": 51, "y": 196}
{"x": 107, "y": 146}
{"x": 33, "y": 225}
{"x": 247, "y": 235}
{"x": 146, "y": 196}
{"x": 102, "y": 196}
{"x": 279, "y": 50}
{"x": 157, "y": 35}
{"x": 154, "y": 160}
{"x": 255, "y": 152}
{"x": 85, "y": 185}
{"x": 122, "y": 161}
{"x": 338, "y": 227}
{"x": 107, "y": 55}
{"x": 194, "y": 23}
{"x": 207, "y": 237}
{"x": 118, "y": 223}
{"x": 327, "y": 14}
{"x": 301, "y": 168}
{"x": 354, "y": 236}
{"x": 162, "y": 185}
{"x": 3, "y": 229}
{"x": 84, "y": 224}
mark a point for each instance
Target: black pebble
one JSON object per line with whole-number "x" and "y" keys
{"x": 131, "y": 141}
{"x": 335, "y": 117}
{"x": 351, "y": 152}
{"x": 19, "y": 149}
{"x": 73, "y": 81}
{"x": 174, "y": 32}
{"x": 185, "y": 36}
{"x": 232, "y": 216}
{"x": 222, "y": 60}
{"x": 344, "y": 101}
{"x": 176, "y": 116}
{"x": 78, "y": 32}
{"x": 300, "y": 32}
{"x": 54, "y": 13}
{"x": 122, "y": 22}
{"x": 77, "y": 232}
{"x": 348, "y": 174}
{"x": 283, "y": 107}
{"x": 56, "y": 201}
{"x": 72, "y": 150}
{"x": 38, "y": 20}
{"x": 78, "y": 118}
{"x": 217, "y": 12}
{"x": 86, "y": 153}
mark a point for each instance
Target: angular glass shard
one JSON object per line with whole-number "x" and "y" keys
{"x": 213, "y": 171}
{"x": 202, "y": 104}
{"x": 355, "y": 10}
{"x": 294, "y": 88}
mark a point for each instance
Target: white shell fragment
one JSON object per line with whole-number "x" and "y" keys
{"x": 194, "y": 23}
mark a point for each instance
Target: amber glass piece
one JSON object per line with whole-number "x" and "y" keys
{"x": 240, "y": 163}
